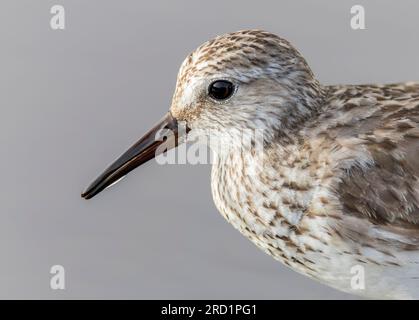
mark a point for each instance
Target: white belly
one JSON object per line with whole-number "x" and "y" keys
{"x": 309, "y": 244}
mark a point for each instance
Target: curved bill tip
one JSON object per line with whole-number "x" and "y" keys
{"x": 145, "y": 149}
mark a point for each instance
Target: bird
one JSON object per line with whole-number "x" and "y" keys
{"x": 330, "y": 185}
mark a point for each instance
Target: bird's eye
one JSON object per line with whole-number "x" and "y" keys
{"x": 220, "y": 90}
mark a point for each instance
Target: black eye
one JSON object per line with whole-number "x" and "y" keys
{"x": 220, "y": 89}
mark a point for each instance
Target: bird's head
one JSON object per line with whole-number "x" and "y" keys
{"x": 249, "y": 79}
{"x": 238, "y": 82}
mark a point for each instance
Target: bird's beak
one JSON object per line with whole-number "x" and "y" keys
{"x": 148, "y": 147}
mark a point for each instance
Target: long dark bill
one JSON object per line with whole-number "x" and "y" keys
{"x": 143, "y": 150}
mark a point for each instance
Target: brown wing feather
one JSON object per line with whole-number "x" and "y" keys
{"x": 387, "y": 192}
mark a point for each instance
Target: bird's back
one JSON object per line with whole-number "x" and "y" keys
{"x": 368, "y": 135}
{"x": 380, "y": 123}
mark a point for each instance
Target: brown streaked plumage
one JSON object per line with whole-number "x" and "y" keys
{"x": 334, "y": 188}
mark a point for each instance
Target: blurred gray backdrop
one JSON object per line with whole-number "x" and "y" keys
{"x": 73, "y": 100}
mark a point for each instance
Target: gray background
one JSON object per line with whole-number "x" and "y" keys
{"x": 73, "y": 100}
